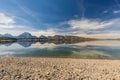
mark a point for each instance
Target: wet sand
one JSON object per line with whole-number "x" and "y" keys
{"x": 28, "y": 68}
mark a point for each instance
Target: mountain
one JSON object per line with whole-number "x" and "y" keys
{"x": 26, "y": 44}
{"x": 58, "y": 36}
{"x": 42, "y": 36}
{"x": 8, "y": 35}
{"x": 26, "y": 35}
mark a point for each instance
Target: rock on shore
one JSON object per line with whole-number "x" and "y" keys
{"x": 28, "y": 68}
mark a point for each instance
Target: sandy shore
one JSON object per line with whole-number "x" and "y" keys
{"x": 14, "y": 68}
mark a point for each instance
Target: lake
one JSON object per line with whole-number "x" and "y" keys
{"x": 104, "y": 49}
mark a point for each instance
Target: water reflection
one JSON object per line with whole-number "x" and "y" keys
{"x": 26, "y": 44}
{"x": 92, "y": 49}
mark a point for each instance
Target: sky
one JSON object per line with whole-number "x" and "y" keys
{"x": 86, "y": 18}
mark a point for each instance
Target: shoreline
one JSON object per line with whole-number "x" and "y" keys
{"x": 79, "y": 58}
{"x": 40, "y": 68}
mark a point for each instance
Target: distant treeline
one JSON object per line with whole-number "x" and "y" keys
{"x": 5, "y": 40}
{"x": 64, "y": 39}
{"x": 57, "y": 39}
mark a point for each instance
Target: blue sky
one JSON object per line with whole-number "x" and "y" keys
{"x": 64, "y": 17}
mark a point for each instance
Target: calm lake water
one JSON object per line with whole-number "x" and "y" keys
{"x": 91, "y": 49}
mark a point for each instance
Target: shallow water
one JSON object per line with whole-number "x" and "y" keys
{"x": 105, "y": 49}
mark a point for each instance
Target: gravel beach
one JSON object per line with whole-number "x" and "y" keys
{"x": 31, "y": 68}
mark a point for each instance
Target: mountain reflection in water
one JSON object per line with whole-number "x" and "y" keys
{"x": 91, "y": 49}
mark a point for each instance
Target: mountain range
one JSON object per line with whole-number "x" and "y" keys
{"x": 26, "y": 35}
{"x": 6, "y": 35}
{"x": 29, "y": 35}
{"x": 23, "y": 35}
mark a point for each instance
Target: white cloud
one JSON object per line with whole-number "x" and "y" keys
{"x": 48, "y": 32}
{"x": 78, "y": 27}
{"x": 5, "y": 19}
{"x": 91, "y": 24}
{"x": 116, "y": 12}
{"x": 96, "y": 28}
{"x": 18, "y": 29}
{"x": 7, "y": 26}
{"x": 106, "y": 11}
{"x": 101, "y": 36}
{"x": 44, "y": 46}
{"x": 87, "y": 24}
